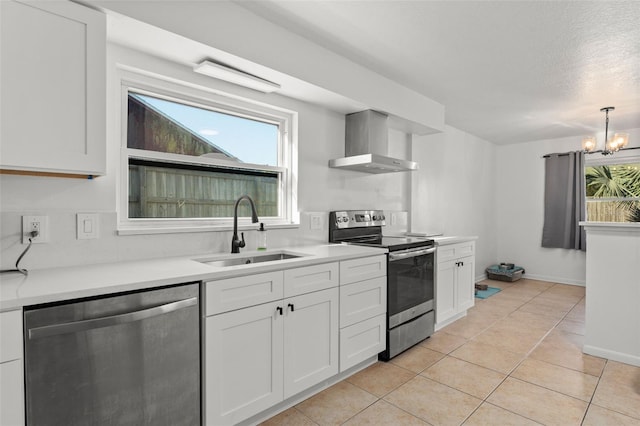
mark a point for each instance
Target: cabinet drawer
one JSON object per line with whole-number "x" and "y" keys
{"x": 10, "y": 335}
{"x": 310, "y": 278}
{"x": 362, "y": 300}
{"x": 240, "y": 292}
{"x": 362, "y": 340}
{"x": 355, "y": 270}
{"x": 454, "y": 251}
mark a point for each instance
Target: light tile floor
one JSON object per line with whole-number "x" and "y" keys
{"x": 515, "y": 359}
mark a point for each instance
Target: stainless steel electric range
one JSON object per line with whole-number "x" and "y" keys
{"x": 410, "y": 275}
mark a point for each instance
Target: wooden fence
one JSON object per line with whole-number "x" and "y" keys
{"x": 610, "y": 211}
{"x": 159, "y": 192}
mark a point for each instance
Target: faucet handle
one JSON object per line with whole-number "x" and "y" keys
{"x": 241, "y": 242}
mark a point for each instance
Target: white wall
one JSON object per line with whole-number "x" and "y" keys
{"x": 453, "y": 192}
{"x": 520, "y": 210}
{"x": 320, "y": 189}
{"x": 236, "y": 31}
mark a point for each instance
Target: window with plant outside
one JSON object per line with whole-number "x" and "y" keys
{"x": 192, "y": 161}
{"x": 613, "y": 191}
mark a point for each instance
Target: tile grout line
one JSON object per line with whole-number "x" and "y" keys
{"x": 485, "y": 400}
{"x": 466, "y": 340}
{"x": 526, "y": 356}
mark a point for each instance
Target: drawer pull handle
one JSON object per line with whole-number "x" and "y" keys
{"x": 291, "y": 306}
{"x": 279, "y": 310}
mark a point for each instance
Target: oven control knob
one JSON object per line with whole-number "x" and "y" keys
{"x": 382, "y": 217}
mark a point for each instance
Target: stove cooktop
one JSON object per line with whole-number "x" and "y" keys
{"x": 364, "y": 227}
{"x": 396, "y": 243}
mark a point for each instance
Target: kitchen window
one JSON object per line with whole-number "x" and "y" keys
{"x": 189, "y": 158}
{"x": 613, "y": 189}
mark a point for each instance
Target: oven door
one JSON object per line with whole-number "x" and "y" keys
{"x": 410, "y": 284}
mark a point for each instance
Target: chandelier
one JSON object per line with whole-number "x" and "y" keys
{"x": 616, "y": 143}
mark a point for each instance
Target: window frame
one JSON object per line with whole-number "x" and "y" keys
{"x": 204, "y": 97}
{"x": 609, "y": 160}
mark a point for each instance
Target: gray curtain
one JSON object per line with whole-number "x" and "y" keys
{"x": 564, "y": 201}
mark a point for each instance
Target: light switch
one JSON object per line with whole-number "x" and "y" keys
{"x": 315, "y": 222}
{"x": 87, "y": 226}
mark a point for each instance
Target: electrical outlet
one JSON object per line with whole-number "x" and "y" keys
{"x": 39, "y": 224}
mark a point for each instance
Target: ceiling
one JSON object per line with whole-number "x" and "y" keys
{"x": 507, "y": 72}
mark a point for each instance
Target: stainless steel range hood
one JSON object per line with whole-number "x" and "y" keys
{"x": 367, "y": 146}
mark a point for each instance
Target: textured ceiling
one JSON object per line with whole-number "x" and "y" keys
{"x": 507, "y": 72}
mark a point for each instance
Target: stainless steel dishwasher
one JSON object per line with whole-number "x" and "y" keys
{"x": 125, "y": 359}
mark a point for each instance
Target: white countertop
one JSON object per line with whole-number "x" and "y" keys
{"x": 439, "y": 239}
{"x": 443, "y": 241}
{"x": 58, "y": 284}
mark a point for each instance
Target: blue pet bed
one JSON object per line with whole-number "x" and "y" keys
{"x": 502, "y": 273}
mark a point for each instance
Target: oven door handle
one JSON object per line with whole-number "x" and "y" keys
{"x": 409, "y": 254}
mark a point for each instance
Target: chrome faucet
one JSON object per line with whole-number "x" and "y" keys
{"x": 237, "y": 243}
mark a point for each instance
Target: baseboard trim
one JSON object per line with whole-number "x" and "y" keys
{"x": 552, "y": 279}
{"x": 612, "y": 355}
{"x": 296, "y": 399}
{"x": 558, "y": 280}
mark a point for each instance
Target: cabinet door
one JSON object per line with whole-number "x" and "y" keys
{"x": 465, "y": 283}
{"x": 11, "y": 393}
{"x": 10, "y": 335}
{"x": 52, "y": 87}
{"x": 243, "y": 363}
{"x": 446, "y": 291}
{"x": 311, "y": 340}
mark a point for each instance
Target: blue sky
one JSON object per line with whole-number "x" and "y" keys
{"x": 250, "y": 141}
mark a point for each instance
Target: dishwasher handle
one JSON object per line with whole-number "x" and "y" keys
{"x": 91, "y": 324}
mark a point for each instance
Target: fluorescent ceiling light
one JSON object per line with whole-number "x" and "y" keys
{"x": 235, "y": 76}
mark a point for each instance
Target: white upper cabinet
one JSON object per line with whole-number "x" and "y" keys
{"x": 52, "y": 88}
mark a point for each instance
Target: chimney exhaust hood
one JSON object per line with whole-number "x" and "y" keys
{"x": 367, "y": 146}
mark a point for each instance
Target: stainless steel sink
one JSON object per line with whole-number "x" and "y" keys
{"x": 245, "y": 260}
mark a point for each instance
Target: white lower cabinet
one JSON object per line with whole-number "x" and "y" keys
{"x": 455, "y": 290}
{"x": 310, "y": 340}
{"x": 271, "y": 336}
{"x": 258, "y": 356}
{"x": 363, "y": 308}
{"x": 11, "y": 393}
{"x": 11, "y": 371}
{"x": 243, "y": 366}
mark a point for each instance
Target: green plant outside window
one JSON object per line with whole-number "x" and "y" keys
{"x": 613, "y": 192}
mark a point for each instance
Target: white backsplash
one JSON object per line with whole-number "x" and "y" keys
{"x": 65, "y": 250}
{"x": 396, "y": 222}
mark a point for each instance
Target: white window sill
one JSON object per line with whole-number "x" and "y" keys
{"x": 149, "y": 230}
